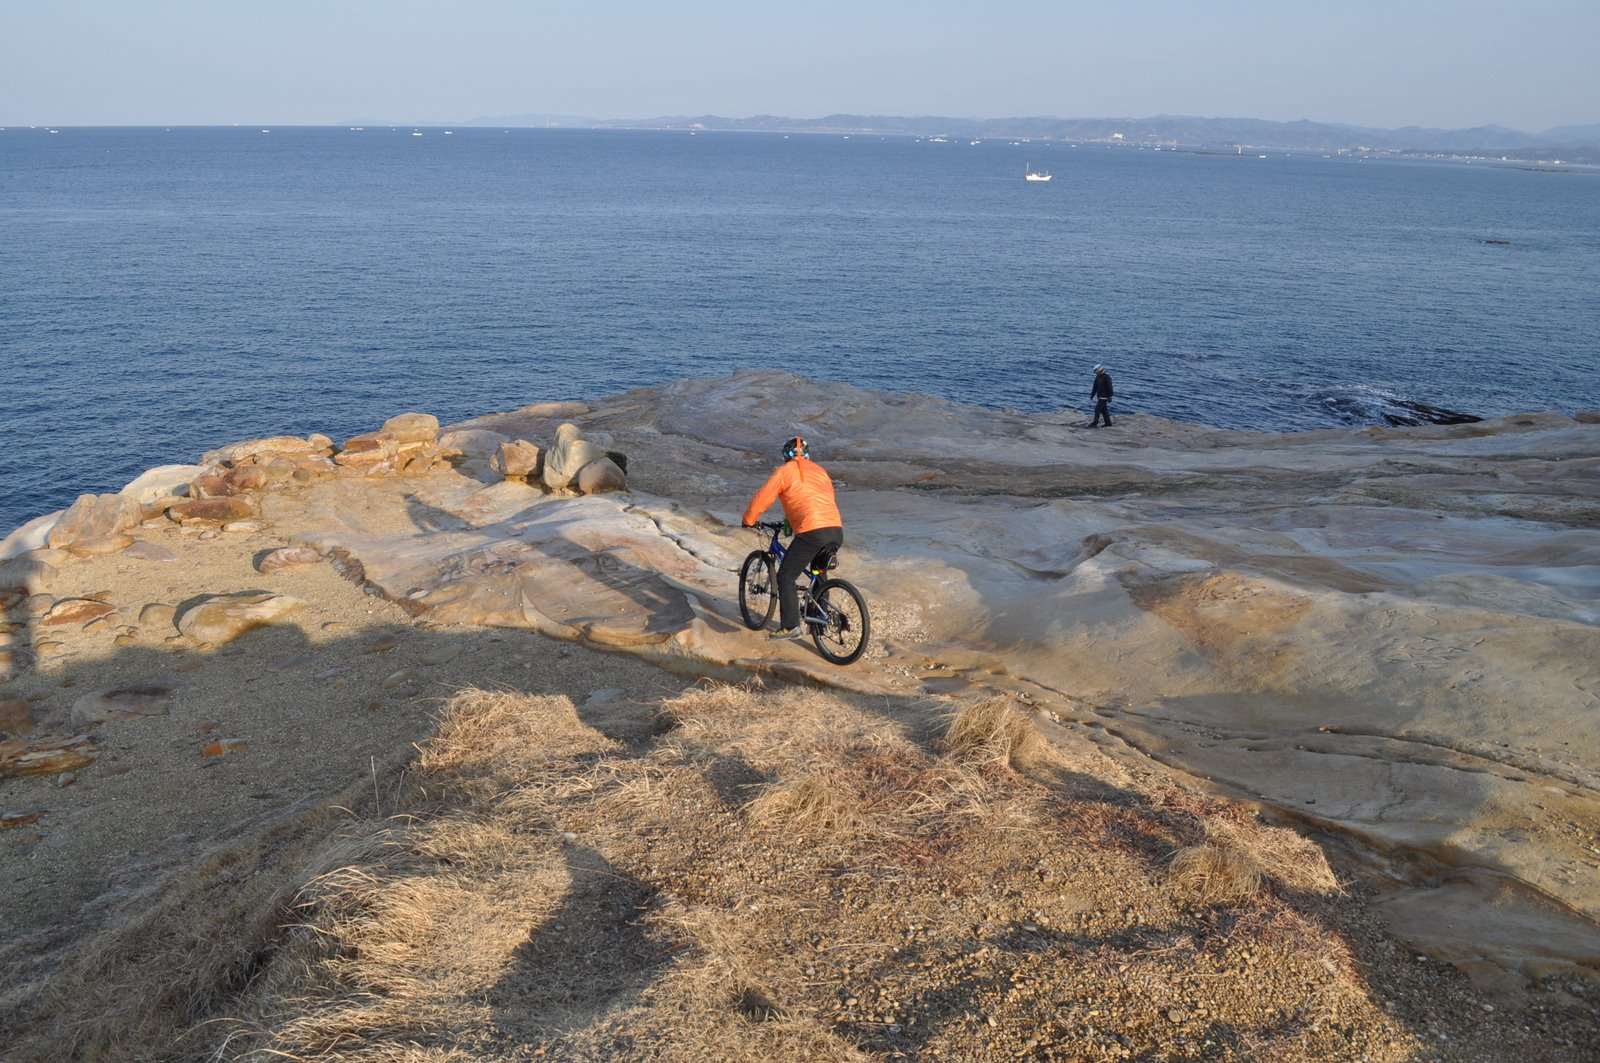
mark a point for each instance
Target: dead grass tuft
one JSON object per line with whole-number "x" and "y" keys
{"x": 1232, "y": 855}
{"x": 811, "y": 804}
{"x": 491, "y": 732}
{"x": 994, "y": 731}
{"x": 1211, "y": 874}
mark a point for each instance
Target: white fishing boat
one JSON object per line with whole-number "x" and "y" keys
{"x": 1030, "y": 174}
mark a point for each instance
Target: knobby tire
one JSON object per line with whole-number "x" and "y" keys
{"x": 843, "y": 638}
{"x": 758, "y": 590}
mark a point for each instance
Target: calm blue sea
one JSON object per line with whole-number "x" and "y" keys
{"x": 163, "y": 291}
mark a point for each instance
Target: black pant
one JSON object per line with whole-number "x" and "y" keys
{"x": 802, "y": 550}
{"x": 1102, "y": 408}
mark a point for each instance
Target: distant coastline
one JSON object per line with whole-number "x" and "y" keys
{"x": 1577, "y": 144}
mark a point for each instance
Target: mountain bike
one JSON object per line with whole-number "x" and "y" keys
{"x": 832, "y": 610}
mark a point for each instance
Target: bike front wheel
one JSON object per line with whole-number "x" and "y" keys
{"x": 758, "y": 590}
{"x": 840, "y": 625}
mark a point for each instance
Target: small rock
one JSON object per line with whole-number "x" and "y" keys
{"x": 517, "y": 459}
{"x": 157, "y": 614}
{"x": 287, "y": 557}
{"x": 224, "y": 617}
{"x": 13, "y": 820}
{"x": 93, "y": 516}
{"x": 440, "y": 654}
{"x": 600, "y": 477}
{"x": 383, "y": 644}
{"x": 245, "y": 478}
{"x": 16, "y": 715}
{"x": 50, "y": 649}
{"x": 242, "y": 527}
{"x": 76, "y": 611}
{"x": 395, "y": 679}
{"x": 140, "y": 550}
{"x": 335, "y": 625}
{"x": 209, "y": 484}
{"x": 161, "y": 482}
{"x": 368, "y": 450}
{"x": 100, "y": 545}
{"x": 413, "y": 427}
{"x": 215, "y": 510}
{"x": 223, "y": 746}
{"x": 566, "y": 459}
{"x": 38, "y": 604}
{"x": 237, "y": 453}
{"x": 47, "y": 756}
{"x": 472, "y": 443}
{"x": 125, "y": 701}
{"x": 205, "y": 727}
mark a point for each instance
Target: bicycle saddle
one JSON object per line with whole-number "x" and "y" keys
{"x": 827, "y": 557}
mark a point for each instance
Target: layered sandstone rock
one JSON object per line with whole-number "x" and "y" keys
{"x": 94, "y": 516}
{"x": 518, "y": 459}
{"x": 1389, "y": 633}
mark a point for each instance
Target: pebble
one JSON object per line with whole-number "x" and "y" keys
{"x": 383, "y": 644}
{"x": 441, "y": 654}
{"x": 242, "y": 526}
{"x": 223, "y": 746}
{"x": 157, "y": 614}
{"x": 404, "y": 675}
{"x": 291, "y": 664}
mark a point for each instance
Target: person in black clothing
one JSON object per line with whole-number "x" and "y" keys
{"x": 1101, "y": 394}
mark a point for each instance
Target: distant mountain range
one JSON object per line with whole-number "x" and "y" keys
{"x": 1177, "y": 130}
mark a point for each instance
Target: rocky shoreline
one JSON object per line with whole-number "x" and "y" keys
{"x": 1385, "y": 636}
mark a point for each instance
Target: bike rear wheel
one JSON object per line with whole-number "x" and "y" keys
{"x": 841, "y": 635}
{"x": 758, "y": 590}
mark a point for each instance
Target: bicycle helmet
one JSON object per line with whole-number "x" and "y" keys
{"x": 796, "y": 447}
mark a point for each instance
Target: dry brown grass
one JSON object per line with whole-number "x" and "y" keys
{"x": 813, "y": 803}
{"x": 1231, "y": 856}
{"x": 780, "y": 875}
{"x": 994, "y": 730}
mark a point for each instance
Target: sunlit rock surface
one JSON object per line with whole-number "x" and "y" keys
{"x": 1389, "y": 634}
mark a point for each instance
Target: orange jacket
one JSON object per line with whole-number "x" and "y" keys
{"x": 806, "y": 491}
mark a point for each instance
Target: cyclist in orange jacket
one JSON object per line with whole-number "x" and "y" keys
{"x": 806, "y": 491}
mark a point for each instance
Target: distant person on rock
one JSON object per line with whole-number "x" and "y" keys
{"x": 1101, "y": 394}
{"x": 806, "y": 491}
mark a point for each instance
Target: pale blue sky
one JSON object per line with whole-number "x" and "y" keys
{"x": 1529, "y": 65}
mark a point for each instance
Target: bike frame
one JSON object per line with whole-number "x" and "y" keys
{"x": 777, "y": 550}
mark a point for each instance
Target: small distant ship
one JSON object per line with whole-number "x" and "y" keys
{"x": 1030, "y": 174}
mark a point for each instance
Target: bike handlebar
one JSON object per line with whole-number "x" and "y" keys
{"x": 773, "y": 526}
